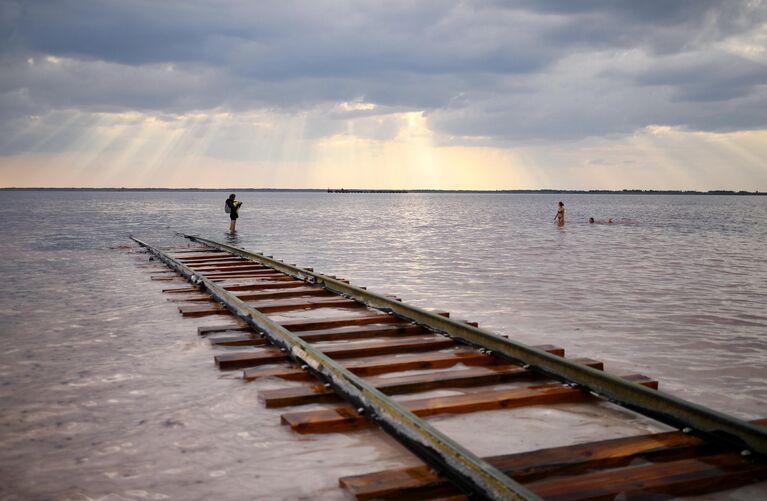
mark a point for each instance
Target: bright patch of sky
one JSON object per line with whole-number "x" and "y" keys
{"x": 434, "y": 94}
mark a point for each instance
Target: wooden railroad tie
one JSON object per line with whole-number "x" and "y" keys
{"x": 267, "y": 284}
{"x": 346, "y": 418}
{"x": 474, "y": 376}
{"x": 560, "y": 465}
{"x": 400, "y": 345}
{"x": 271, "y": 306}
{"x": 367, "y": 367}
{"x": 348, "y": 333}
{"x": 255, "y": 296}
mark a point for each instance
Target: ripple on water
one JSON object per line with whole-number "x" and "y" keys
{"x": 115, "y": 396}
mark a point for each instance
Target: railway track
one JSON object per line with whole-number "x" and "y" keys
{"x": 349, "y": 345}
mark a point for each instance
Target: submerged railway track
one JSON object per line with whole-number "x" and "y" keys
{"x": 337, "y": 353}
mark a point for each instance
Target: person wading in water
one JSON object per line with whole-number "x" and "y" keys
{"x": 232, "y": 207}
{"x": 560, "y": 217}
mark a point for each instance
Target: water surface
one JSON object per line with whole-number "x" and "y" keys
{"x": 108, "y": 394}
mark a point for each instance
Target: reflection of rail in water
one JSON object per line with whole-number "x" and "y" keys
{"x": 712, "y": 451}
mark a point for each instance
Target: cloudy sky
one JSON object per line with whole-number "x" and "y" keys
{"x": 654, "y": 94}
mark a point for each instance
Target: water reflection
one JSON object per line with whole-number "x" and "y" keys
{"x": 232, "y": 238}
{"x": 105, "y": 386}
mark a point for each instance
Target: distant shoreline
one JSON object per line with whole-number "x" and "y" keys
{"x": 377, "y": 191}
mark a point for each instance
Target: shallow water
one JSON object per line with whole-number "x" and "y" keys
{"x": 108, "y": 394}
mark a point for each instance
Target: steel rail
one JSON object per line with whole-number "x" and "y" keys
{"x": 474, "y": 476}
{"x": 687, "y": 416}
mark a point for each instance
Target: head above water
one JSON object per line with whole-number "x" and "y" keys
{"x": 591, "y": 220}
{"x": 231, "y": 197}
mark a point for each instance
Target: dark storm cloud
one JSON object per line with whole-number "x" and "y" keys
{"x": 495, "y": 70}
{"x": 715, "y": 77}
{"x": 308, "y": 39}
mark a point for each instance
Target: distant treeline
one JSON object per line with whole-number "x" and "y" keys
{"x": 351, "y": 190}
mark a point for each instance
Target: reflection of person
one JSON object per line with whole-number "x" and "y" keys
{"x": 560, "y": 217}
{"x": 234, "y": 212}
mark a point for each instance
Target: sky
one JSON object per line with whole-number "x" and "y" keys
{"x": 430, "y": 94}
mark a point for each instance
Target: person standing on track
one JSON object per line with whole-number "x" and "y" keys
{"x": 232, "y": 207}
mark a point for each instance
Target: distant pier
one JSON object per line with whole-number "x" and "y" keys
{"x": 344, "y": 190}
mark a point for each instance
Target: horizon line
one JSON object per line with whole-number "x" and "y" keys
{"x": 404, "y": 191}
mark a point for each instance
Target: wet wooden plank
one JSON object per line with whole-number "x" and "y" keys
{"x": 362, "y": 332}
{"x": 271, "y": 355}
{"x": 265, "y": 285}
{"x": 240, "y": 270}
{"x": 209, "y": 252}
{"x": 353, "y": 332}
{"x": 223, "y": 258}
{"x": 203, "y": 311}
{"x": 326, "y": 323}
{"x": 253, "y": 270}
{"x": 249, "y": 339}
{"x": 201, "y": 265}
{"x": 346, "y": 418}
{"x": 283, "y": 283}
{"x": 656, "y": 481}
{"x": 231, "y": 267}
{"x": 217, "y": 262}
{"x": 255, "y": 296}
{"x": 422, "y": 482}
{"x": 301, "y": 325}
{"x": 309, "y": 324}
{"x": 202, "y": 251}
{"x": 211, "y": 329}
{"x": 268, "y": 276}
{"x": 437, "y": 360}
{"x": 191, "y": 298}
{"x": 162, "y": 278}
{"x": 248, "y": 274}
{"x": 181, "y": 290}
{"x": 290, "y": 304}
{"x": 152, "y": 268}
{"x": 471, "y": 377}
{"x": 201, "y": 257}
{"x": 192, "y": 250}
{"x": 297, "y": 292}
{"x": 367, "y": 367}
{"x": 273, "y": 277}
{"x": 220, "y": 257}
{"x": 274, "y": 306}
{"x": 208, "y": 255}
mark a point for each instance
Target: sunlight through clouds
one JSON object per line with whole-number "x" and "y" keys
{"x": 517, "y": 95}
{"x": 201, "y": 150}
